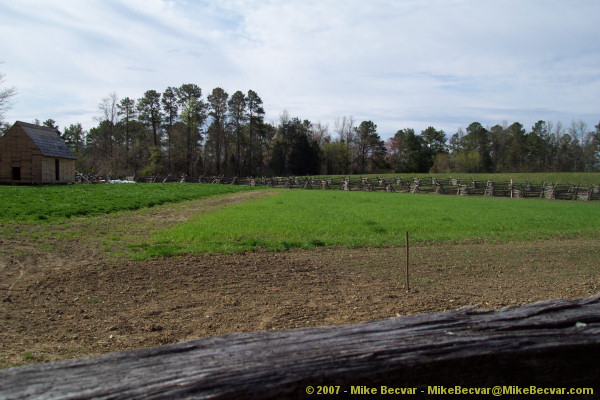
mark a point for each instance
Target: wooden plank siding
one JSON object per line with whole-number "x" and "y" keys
{"x": 18, "y": 151}
{"x": 66, "y": 170}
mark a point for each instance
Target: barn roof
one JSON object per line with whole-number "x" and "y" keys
{"x": 47, "y": 140}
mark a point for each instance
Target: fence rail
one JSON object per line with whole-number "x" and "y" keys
{"x": 548, "y": 344}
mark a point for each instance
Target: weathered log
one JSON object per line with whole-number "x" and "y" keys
{"x": 550, "y": 191}
{"x": 345, "y": 184}
{"x": 548, "y": 344}
{"x": 489, "y": 189}
{"x": 463, "y": 190}
{"x": 586, "y": 195}
{"x": 415, "y": 186}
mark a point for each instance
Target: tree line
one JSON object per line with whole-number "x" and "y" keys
{"x": 181, "y": 132}
{"x": 547, "y": 147}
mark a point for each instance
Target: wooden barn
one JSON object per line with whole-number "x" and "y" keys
{"x": 33, "y": 154}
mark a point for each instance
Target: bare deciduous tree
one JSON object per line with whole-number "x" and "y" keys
{"x": 108, "y": 114}
{"x": 5, "y": 96}
{"x": 345, "y": 129}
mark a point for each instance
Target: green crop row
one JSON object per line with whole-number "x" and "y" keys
{"x": 51, "y": 203}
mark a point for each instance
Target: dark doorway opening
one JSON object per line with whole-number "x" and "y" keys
{"x": 16, "y": 173}
{"x": 56, "y": 169}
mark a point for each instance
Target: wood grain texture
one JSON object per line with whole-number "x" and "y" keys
{"x": 553, "y": 343}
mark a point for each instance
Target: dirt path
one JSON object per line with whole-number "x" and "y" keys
{"x": 69, "y": 302}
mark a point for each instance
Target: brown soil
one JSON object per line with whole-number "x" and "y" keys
{"x": 62, "y": 301}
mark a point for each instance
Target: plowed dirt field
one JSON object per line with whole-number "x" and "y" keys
{"x": 59, "y": 300}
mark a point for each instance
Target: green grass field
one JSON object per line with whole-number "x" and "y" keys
{"x": 308, "y": 219}
{"x": 52, "y": 203}
{"x": 305, "y": 219}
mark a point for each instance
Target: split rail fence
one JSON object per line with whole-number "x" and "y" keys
{"x": 431, "y": 185}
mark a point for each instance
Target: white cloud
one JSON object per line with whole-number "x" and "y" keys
{"x": 401, "y": 64}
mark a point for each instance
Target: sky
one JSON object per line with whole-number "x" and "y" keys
{"x": 399, "y": 63}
